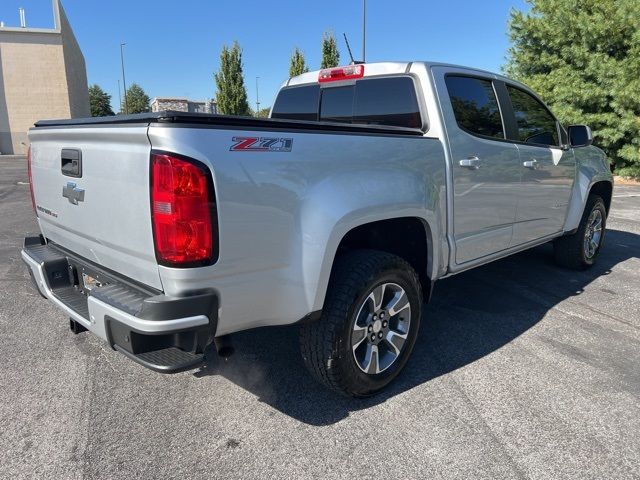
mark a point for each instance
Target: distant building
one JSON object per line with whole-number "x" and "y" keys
{"x": 42, "y": 76}
{"x": 183, "y": 105}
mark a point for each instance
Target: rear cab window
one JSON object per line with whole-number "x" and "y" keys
{"x": 388, "y": 101}
{"x": 297, "y": 103}
{"x": 336, "y": 104}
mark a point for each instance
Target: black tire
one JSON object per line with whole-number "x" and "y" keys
{"x": 326, "y": 344}
{"x": 570, "y": 250}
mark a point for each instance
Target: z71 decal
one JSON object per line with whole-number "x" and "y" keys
{"x": 261, "y": 144}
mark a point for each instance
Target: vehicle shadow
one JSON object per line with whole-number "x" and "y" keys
{"x": 470, "y": 316}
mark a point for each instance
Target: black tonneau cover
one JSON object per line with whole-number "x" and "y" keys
{"x": 204, "y": 119}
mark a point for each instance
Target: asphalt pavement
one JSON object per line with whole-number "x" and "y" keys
{"x": 522, "y": 370}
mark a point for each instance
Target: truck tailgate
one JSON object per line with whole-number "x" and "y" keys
{"x": 101, "y": 212}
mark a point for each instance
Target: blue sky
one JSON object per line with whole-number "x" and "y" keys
{"x": 173, "y": 48}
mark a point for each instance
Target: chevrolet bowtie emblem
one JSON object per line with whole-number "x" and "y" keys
{"x": 73, "y": 193}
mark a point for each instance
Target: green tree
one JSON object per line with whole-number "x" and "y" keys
{"x": 99, "y": 102}
{"x": 232, "y": 94}
{"x": 262, "y": 113}
{"x": 297, "y": 65}
{"x": 330, "y": 53}
{"x": 585, "y": 64}
{"x": 137, "y": 100}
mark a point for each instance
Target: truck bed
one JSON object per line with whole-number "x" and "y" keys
{"x": 280, "y": 214}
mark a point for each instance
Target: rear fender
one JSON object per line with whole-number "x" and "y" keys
{"x": 340, "y": 204}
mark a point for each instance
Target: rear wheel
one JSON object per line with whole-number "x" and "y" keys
{"x": 580, "y": 250}
{"x": 369, "y": 323}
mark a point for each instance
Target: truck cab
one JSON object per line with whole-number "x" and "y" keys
{"x": 510, "y": 166}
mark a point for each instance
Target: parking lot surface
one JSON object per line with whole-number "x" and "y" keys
{"x": 522, "y": 370}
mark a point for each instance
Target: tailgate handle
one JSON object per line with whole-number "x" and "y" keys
{"x": 71, "y": 162}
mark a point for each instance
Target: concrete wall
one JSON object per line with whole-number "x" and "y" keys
{"x": 176, "y": 104}
{"x": 34, "y": 84}
{"x": 75, "y": 69}
{"x": 183, "y": 105}
{"x": 42, "y": 75}
{"x": 6, "y": 142}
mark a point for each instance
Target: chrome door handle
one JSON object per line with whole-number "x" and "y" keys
{"x": 472, "y": 162}
{"x": 530, "y": 164}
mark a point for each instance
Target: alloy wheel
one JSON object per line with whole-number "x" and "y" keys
{"x": 381, "y": 327}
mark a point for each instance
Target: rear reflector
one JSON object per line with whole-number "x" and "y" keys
{"x": 341, "y": 73}
{"x": 30, "y": 175}
{"x": 182, "y": 208}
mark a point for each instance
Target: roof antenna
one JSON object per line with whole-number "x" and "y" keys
{"x": 353, "y": 62}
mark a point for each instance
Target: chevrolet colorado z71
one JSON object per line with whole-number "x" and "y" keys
{"x": 164, "y": 232}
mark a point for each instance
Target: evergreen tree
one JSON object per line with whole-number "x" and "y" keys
{"x": 297, "y": 65}
{"x": 583, "y": 58}
{"x": 137, "y": 100}
{"x": 330, "y": 53}
{"x": 232, "y": 94}
{"x": 99, "y": 102}
{"x": 262, "y": 113}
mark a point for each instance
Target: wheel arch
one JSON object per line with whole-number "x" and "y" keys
{"x": 416, "y": 245}
{"x": 604, "y": 189}
{"x": 585, "y": 185}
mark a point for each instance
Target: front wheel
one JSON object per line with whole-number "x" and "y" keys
{"x": 369, "y": 323}
{"x": 580, "y": 250}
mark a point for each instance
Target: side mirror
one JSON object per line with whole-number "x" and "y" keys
{"x": 580, "y": 136}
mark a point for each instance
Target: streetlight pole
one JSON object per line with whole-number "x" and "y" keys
{"x": 124, "y": 82}
{"x": 364, "y": 29}
{"x": 119, "y": 94}
{"x": 257, "y": 97}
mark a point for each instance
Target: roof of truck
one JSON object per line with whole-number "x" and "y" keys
{"x": 390, "y": 68}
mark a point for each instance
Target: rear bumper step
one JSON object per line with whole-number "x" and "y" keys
{"x": 166, "y": 334}
{"x": 166, "y": 360}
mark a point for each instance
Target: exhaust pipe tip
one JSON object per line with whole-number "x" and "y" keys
{"x": 223, "y": 346}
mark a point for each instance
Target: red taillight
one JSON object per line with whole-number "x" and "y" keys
{"x": 33, "y": 198}
{"x": 181, "y": 210}
{"x": 341, "y": 73}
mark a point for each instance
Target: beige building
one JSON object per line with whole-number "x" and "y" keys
{"x": 42, "y": 76}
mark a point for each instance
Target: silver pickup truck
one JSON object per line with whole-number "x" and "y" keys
{"x": 165, "y": 232}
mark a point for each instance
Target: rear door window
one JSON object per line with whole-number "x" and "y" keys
{"x": 535, "y": 123}
{"x": 475, "y": 105}
{"x": 297, "y": 103}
